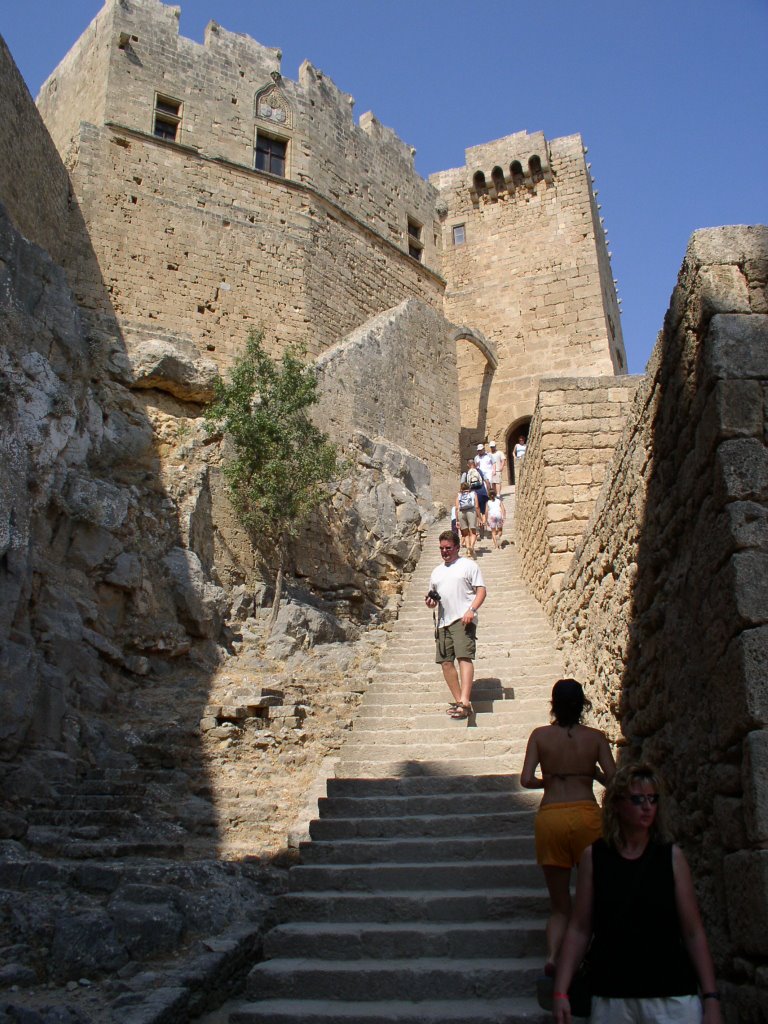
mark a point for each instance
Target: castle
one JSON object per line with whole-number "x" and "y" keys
{"x": 172, "y": 197}
{"x": 220, "y": 196}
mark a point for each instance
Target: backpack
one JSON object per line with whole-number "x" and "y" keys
{"x": 466, "y": 500}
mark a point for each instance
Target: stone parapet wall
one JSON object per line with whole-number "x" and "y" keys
{"x": 395, "y": 377}
{"x": 576, "y": 425}
{"x": 34, "y": 185}
{"x": 664, "y": 609}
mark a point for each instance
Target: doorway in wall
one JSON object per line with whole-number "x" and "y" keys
{"x": 517, "y": 430}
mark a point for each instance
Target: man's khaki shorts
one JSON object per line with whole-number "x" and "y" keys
{"x": 467, "y": 519}
{"x": 455, "y": 641}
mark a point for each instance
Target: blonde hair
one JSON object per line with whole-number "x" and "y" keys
{"x": 618, "y": 788}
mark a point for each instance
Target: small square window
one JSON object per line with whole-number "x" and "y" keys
{"x": 270, "y": 154}
{"x": 415, "y": 243}
{"x": 459, "y": 234}
{"x": 167, "y": 122}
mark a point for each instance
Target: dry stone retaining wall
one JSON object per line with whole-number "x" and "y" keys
{"x": 664, "y": 608}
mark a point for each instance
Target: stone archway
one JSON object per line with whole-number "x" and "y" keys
{"x": 477, "y": 362}
{"x": 519, "y": 427}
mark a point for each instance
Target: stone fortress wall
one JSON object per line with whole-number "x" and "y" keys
{"x": 575, "y": 427}
{"x": 663, "y": 608}
{"x": 27, "y": 154}
{"x": 525, "y": 261}
{"x": 191, "y": 239}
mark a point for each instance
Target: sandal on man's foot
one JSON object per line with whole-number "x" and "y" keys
{"x": 461, "y": 711}
{"x": 451, "y": 707}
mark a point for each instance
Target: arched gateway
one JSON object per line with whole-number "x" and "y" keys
{"x": 477, "y": 362}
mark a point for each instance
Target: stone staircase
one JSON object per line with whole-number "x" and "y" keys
{"x": 418, "y": 898}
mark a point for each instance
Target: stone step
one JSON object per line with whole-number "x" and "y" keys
{"x": 462, "y": 849}
{"x": 409, "y": 765}
{"x": 436, "y": 825}
{"x": 454, "y": 803}
{"x": 85, "y": 817}
{"x": 107, "y": 849}
{"x": 423, "y": 978}
{"x": 438, "y": 1011}
{"x": 403, "y": 939}
{"x": 441, "y": 785}
{"x": 466, "y": 742}
{"x": 403, "y": 877}
{"x": 501, "y": 715}
{"x": 490, "y": 904}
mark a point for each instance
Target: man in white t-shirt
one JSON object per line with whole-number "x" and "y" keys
{"x": 459, "y": 584}
{"x": 484, "y": 463}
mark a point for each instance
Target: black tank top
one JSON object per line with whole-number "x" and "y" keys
{"x": 637, "y": 950}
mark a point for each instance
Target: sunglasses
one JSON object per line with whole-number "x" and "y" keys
{"x": 451, "y": 548}
{"x": 638, "y": 799}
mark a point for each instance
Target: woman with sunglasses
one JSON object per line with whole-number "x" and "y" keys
{"x": 649, "y": 962}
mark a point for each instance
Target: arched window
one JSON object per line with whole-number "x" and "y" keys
{"x": 478, "y": 181}
{"x": 498, "y": 178}
{"x": 516, "y": 170}
{"x": 534, "y": 168}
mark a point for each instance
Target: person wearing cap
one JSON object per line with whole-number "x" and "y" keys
{"x": 484, "y": 464}
{"x": 498, "y": 459}
{"x": 572, "y": 757}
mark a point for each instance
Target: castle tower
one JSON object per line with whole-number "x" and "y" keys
{"x": 526, "y": 265}
{"x": 220, "y": 196}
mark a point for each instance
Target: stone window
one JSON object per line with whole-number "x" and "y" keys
{"x": 271, "y": 154}
{"x": 478, "y": 181}
{"x": 498, "y": 178}
{"x": 415, "y": 241}
{"x": 534, "y": 167}
{"x": 516, "y": 170}
{"x": 459, "y": 234}
{"x": 167, "y": 122}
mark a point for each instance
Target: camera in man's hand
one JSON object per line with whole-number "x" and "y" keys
{"x": 433, "y": 595}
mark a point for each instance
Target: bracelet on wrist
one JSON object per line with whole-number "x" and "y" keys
{"x": 560, "y": 995}
{"x": 711, "y": 995}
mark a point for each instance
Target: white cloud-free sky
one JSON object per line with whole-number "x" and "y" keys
{"x": 670, "y": 96}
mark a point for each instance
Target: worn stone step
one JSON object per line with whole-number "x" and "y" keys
{"x": 412, "y": 766}
{"x": 441, "y": 785}
{"x": 487, "y": 715}
{"x": 439, "y": 727}
{"x": 422, "y": 804}
{"x": 402, "y": 939}
{"x": 423, "y": 978}
{"x": 439, "y": 1011}
{"x": 490, "y": 904}
{"x": 108, "y": 849}
{"x": 459, "y": 848}
{"x": 109, "y": 819}
{"x": 466, "y": 742}
{"x": 510, "y": 823}
{"x": 403, "y": 877}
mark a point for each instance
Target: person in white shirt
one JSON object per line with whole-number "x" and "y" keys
{"x": 499, "y": 461}
{"x": 519, "y": 450}
{"x": 457, "y": 589}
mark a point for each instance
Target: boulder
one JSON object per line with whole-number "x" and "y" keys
{"x": 175, "y": 366}
{"x": 201, "y": 605}
{"x": 301, "y": 626}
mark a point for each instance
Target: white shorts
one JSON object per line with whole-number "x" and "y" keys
{"x": 670, "y": 1010}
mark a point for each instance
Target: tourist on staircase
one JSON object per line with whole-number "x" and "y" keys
{"x": 635, "y": 900}
{"x": 499, "y": 461}
{"x": 457, "y": 589}
{"x": 468, "y": 511}
{"x": 572, "y": 757}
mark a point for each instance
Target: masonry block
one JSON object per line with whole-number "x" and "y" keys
{"x": 737, "y": 346}
{"x": 746, "y": 882}
{"x": 754, "y": 776}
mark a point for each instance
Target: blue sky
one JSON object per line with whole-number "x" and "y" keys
{"x": 670, "y": 96}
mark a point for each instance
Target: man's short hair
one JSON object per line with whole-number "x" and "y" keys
{"x": 449, "y": 535}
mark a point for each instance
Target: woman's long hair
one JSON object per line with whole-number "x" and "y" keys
{"x": 619, "y": 787}
{"x": 568, "y": 702}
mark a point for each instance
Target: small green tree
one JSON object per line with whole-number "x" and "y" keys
{"x": 280, "y": 465}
